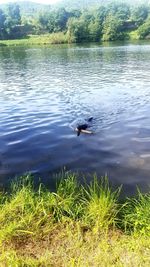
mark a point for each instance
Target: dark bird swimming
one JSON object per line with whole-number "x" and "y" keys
{"x": 82, "y": 128}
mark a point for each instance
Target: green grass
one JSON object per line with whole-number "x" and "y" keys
{"x": 46, "y": 39}
{"x": 77, "y": 225}
{"x": 137, "y": 214}
{"x": 101, "y": 205}
{"x": 53, "y": 38}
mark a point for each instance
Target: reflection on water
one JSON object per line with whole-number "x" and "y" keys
{"x": 44, "y": 89}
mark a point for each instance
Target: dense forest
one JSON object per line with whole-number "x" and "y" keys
{"x": 114, "y": 21}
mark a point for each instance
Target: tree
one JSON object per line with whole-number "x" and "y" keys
{"x": 75, "y": 13}
{"x": 53, "y": 21}
{"x": 112, "y": 29}
{"x": 2, "y": 24}
{"x": 100, "y": 14}
{"x": 77, "y": 30}
{"x": 13, "y": 20}
{"x": 46, "y": 21}
{"x": 61, "y": 18}
{"x": 144, "y": 30}
{"x": 140, "y": 14}
{"x": 13, "y": 14}
{"x": 121, "y": 10}
{"x": 94, "y": 31}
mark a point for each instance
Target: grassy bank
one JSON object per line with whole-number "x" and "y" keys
{"x": 78, "y": 225}
{"x": 54, "y": 38}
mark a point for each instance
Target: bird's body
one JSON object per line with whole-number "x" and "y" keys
{"x": 82, "y": 128}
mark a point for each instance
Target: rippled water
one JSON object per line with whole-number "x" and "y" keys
{"x": 44, "y": 89}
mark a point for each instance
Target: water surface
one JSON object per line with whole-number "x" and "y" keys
{"x": 44, "y": 89}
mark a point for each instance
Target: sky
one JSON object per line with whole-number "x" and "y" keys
{"x": 37, "y": 1}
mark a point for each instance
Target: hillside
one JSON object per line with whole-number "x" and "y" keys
{"x": 82, "y": 4}
{"x": 29, "y": 7}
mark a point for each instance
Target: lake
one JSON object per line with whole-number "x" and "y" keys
{"x": 43, "y": 90}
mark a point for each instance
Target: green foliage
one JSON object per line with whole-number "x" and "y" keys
{"x": 100, "y": 202}
{"x": 75, "y": 226}
{"x": 52, "y": 21}
{"x": 113, "y": 21}
{"x": 144, "y": 30}
{"x": 24, "y": 211}
{"x": 77, "y": 30}
{"x": 13, "y": 21}
{"x": 45, "y": 22}
{"x": 113, "y": 29}
{"x": 44, "y": 39}
{"x": 120, "y": 10}
{"x": 101, "y": 13}
{"x": 61, "y": 19}
{"x": 137, "y": 214}
{"x": 27, "y": 212}
{"x": 2, "y": 24}
{"x": 75, "y": 13}
{"x": 67, "y": 199}
{"x": 140, "y": 13}
{"x": 94, "y": 31}
{"x": 2, "y": 19}
{"x": 13, "y": 14}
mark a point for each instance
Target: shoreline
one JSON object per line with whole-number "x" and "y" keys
{"x": 57, "y": 38}
{"x": 47, "y": 39}
{"x": 78, "y": 225}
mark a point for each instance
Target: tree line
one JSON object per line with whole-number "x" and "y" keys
{"x": 106, "y": 23}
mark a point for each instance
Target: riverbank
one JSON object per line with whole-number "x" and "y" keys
{"x": 46, "y": 39}
{"x": 78, "y": 225}
{"x": 54, "y": 38}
